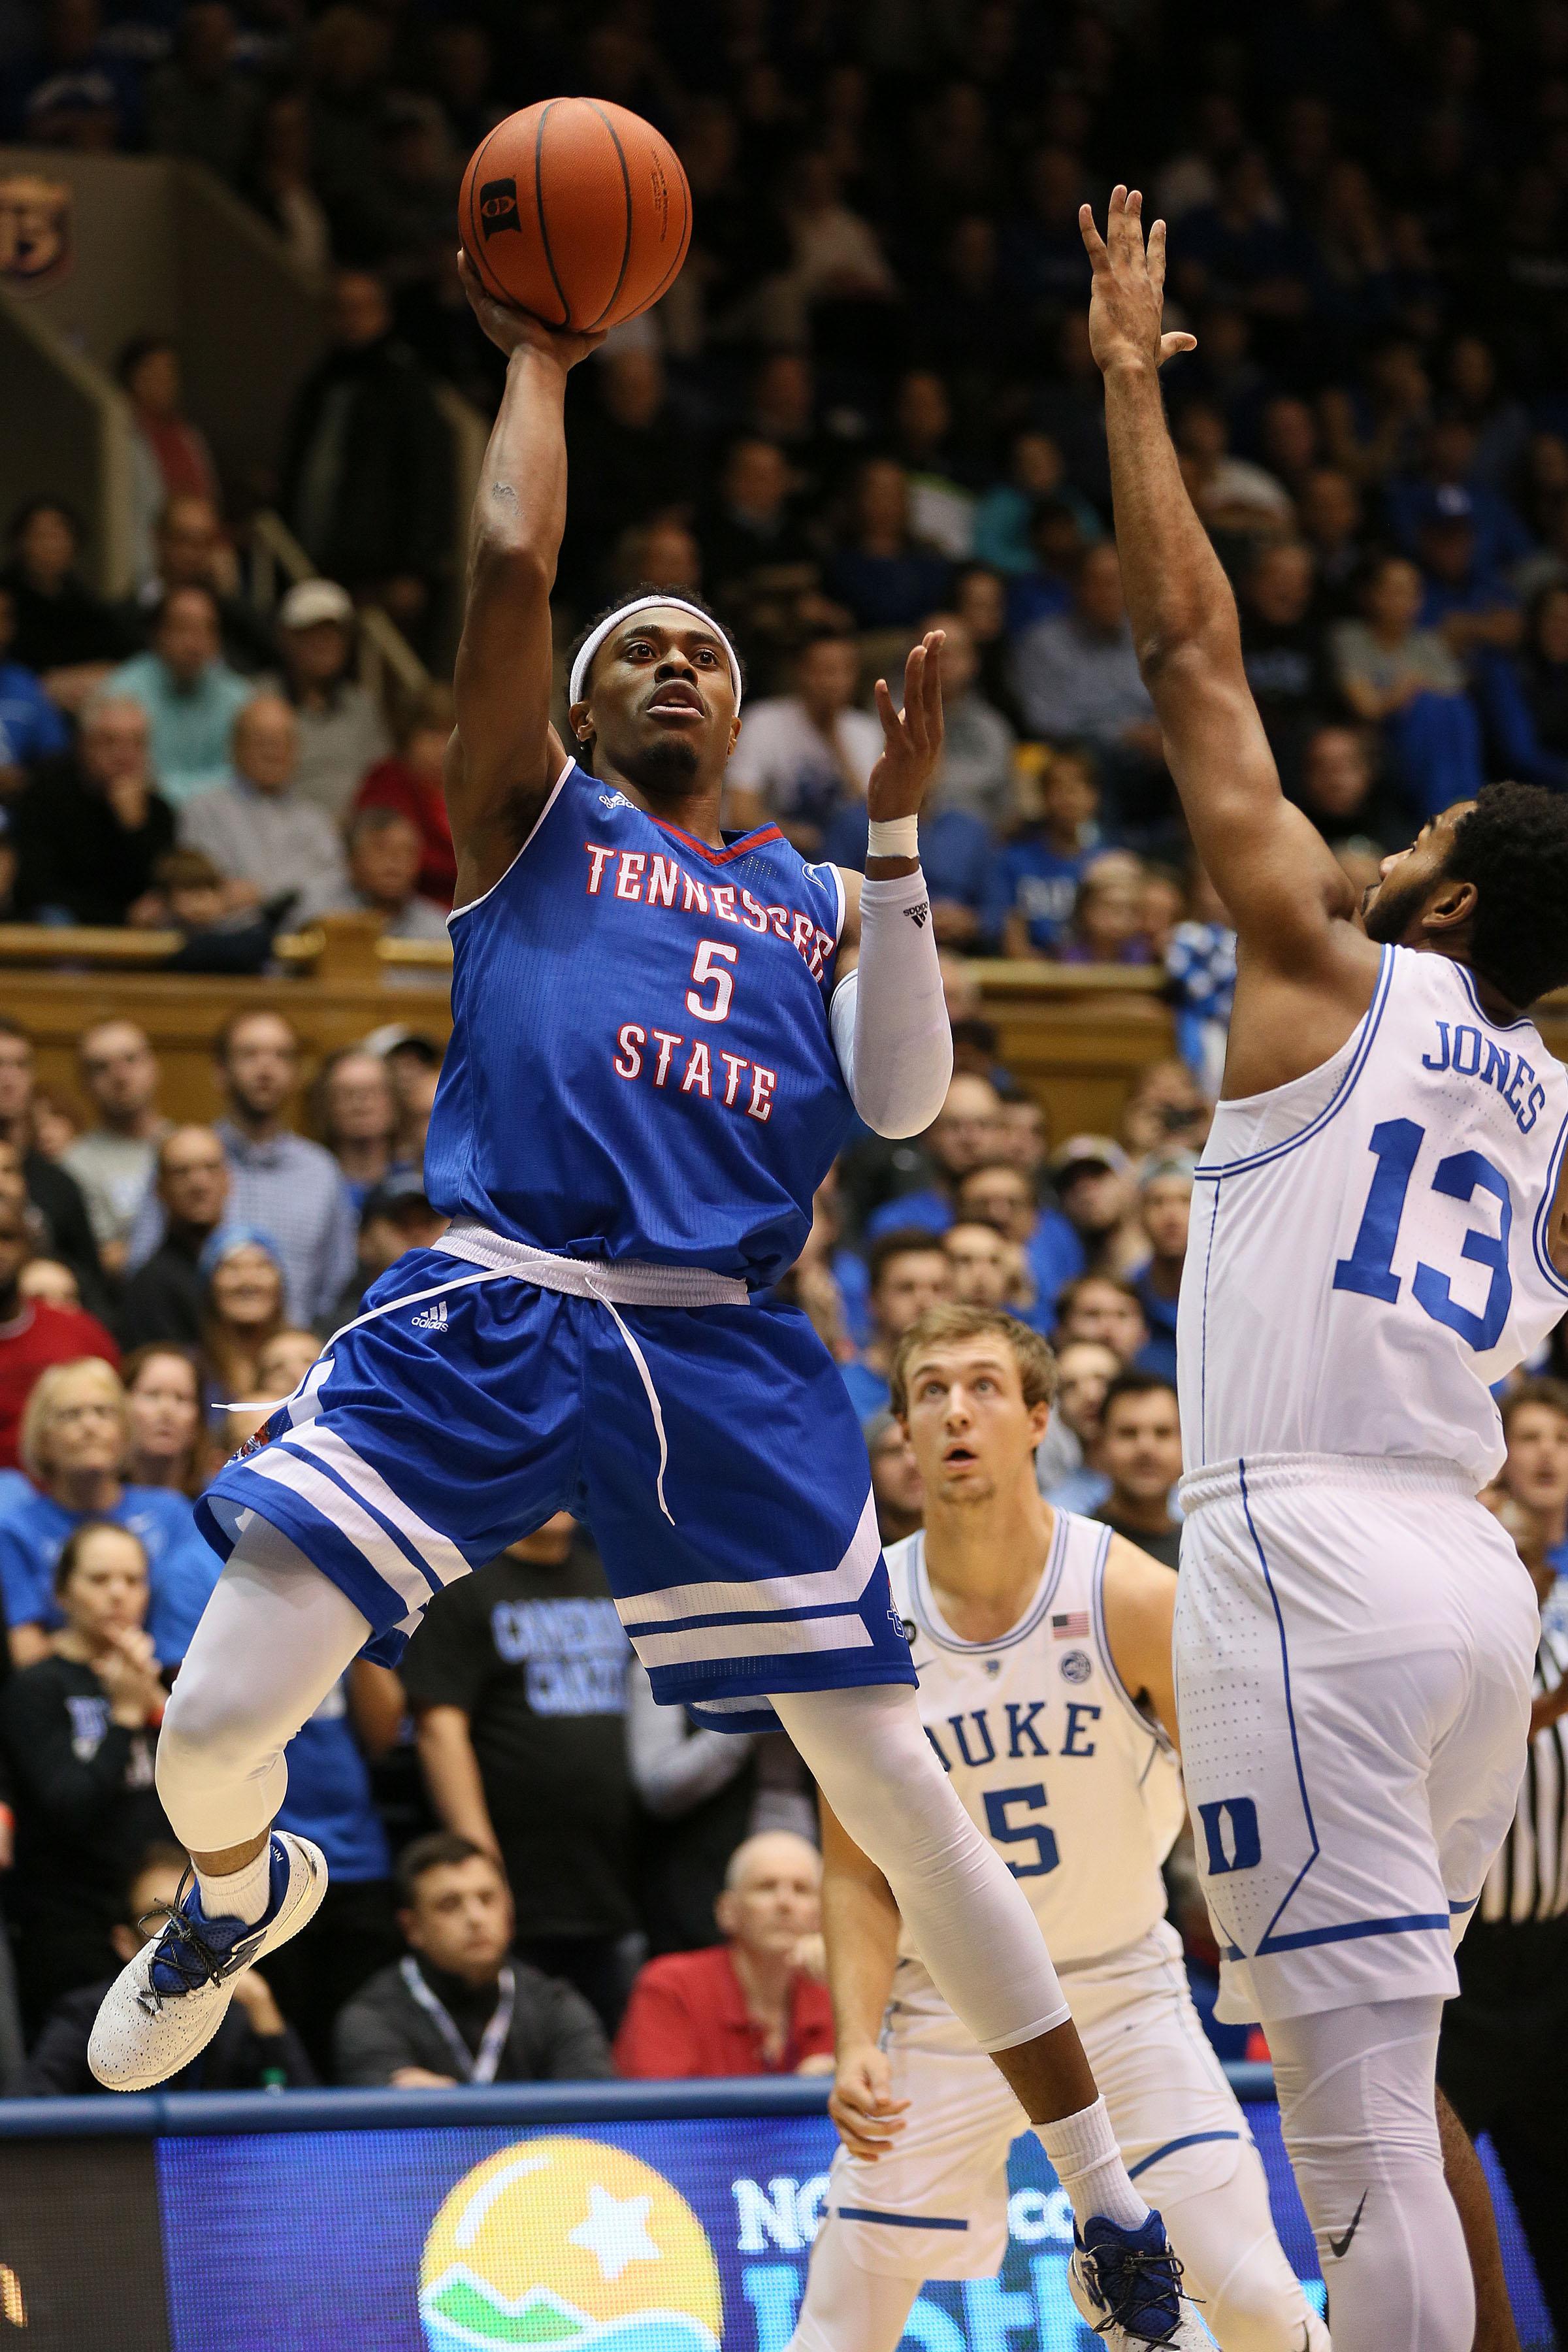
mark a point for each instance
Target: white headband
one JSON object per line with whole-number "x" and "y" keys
{"x": 579, "y": 667}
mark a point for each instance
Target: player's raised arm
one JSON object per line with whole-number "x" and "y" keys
{"x": 504, "y": 757}
{"x": 1276, "y": 874}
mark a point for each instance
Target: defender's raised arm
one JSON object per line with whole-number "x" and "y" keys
{"x": 1273, "y": 870}
{"x": 505, "y": 756}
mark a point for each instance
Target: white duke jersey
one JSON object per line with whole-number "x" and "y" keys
{"x": 1055, "y": 1762}
{"x": 1369, "y": 1243}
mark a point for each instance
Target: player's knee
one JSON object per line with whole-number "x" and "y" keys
{"x": 209, "y": 1734}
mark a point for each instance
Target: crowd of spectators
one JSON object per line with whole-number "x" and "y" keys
{"x": 867, "y": 404}
{"x": 867, "y": 408}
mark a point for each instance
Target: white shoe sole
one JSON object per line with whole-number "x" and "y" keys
{"x": 133, "y": 2048}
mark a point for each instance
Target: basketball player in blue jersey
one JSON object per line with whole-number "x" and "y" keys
{"x": 1380, "y": 1236}
{"x": 660, "y": 1038}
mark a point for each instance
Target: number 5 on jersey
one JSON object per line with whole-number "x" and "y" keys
{"x": 708, "y": 969}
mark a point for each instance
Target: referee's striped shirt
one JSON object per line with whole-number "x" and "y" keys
{"x": 1529, "y": 1880}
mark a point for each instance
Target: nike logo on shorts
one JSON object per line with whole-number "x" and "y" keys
{"x": 1340, "y": 2247}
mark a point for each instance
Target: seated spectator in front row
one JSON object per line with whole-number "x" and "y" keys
{"x": 1036, "y": 877}
{"x": 75, "y": 1446}
{"x": 1109, "y": 913}
{"x": 1140, "y": 1451}
{"x": 242, "y": 1308}
{"x": 458, "y": 2009}
{"x": 91, "y": 827}
{"x": 756, "y": 2003}
{"x": 910, "y": 1271}
{"x": 191, "y": 897}
{"x": 77, "y": 1728}
{"x": 274, "y": 849}
{"x": 254, "y": 2049}
{"x": 169, "y": 1444}
{"x": 33, "y": 1334}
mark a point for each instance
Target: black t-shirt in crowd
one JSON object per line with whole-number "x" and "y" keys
{"x": 1166, "y": 1548}
{"x": 86, "y": 1806}
{"x": 536, "y": 1659}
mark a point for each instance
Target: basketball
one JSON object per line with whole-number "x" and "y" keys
{"x": 577, "y": 210}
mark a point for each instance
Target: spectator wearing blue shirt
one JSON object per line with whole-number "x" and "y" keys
{"x": 329, "y": 1801}
{"x": 1164, "y": 1210}
{"x": 1035, "y": 878}
{"x": 1524, "y": 697}
{"x": 75, "y": 1441}
{"x": 1004, "y": 520}
{"x": 191, "y": 696}
{"x": 910, "y": 1271}
{"x": 885, "y": 575}
{"x": 1446, "y": 486}
{"x": 32, "y": 728}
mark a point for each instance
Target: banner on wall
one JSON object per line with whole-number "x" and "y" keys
{"x": 676, "y": 2236}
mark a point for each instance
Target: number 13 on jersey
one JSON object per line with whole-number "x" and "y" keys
{"x": 1395, "y": 1146}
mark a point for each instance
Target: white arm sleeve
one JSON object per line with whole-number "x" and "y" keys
{"x": 889, "y": 1017}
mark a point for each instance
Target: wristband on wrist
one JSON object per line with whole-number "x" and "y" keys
{"x": 897, "y": 836}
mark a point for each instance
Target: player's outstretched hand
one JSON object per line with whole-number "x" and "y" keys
{"x": 510, "y": 329}
{"x": 1127, "y": 299}
{"x": 911, "y": 738}
{"x": 862, "y": 2103}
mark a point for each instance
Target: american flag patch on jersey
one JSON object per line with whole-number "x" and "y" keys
{"x": 1071, "y": 1627}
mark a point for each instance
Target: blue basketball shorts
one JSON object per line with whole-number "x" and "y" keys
{"x": 712, "y": 1450}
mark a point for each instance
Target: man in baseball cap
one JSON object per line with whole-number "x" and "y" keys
{"x": 342, "y": 730}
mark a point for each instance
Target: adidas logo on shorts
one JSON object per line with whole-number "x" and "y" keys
{"x": 433, "y": 1319}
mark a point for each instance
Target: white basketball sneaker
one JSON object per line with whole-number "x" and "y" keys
{"x": 166, "y": 2004}
{"x": 1127, "y": 2285}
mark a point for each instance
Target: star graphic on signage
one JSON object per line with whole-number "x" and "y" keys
{"x": 615, "y": 2232}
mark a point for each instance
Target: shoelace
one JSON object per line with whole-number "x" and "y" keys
{"x": 1136, "y": 2299}
{"x": 183, "y": 1948}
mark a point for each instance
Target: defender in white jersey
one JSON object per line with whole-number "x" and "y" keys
{"x": 1042, "y": 1643}
{"x": 1379, "y": 1235}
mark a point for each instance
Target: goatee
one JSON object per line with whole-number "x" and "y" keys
{"x": 665, "y": 767}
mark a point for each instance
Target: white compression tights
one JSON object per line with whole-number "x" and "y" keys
{"x": 273, "y": 1640}
{"x": 964, "y": 1910}
{"x": 1357, "y": 2110}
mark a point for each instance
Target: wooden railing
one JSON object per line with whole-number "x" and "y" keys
{"x": 1077, "y": 1034}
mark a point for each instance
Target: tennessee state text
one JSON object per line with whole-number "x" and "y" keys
{"x": 649, "y": 880}
{"x": 744, "y": 1086}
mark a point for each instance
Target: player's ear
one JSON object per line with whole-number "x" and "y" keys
{"x": 1040, "y": 1419}
{"x": 577, "y": 719}
{"x": 1452, "y": 904}
{"x": 734, "y": 735}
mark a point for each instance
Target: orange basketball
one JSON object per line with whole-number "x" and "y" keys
{"x": 577, "y": 210}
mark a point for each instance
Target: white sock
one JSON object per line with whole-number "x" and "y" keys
{"x": 1088, "y": 2165}
{"x": 239, "y": 1894}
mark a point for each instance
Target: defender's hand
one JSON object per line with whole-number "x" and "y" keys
{"x": 912, "y": 738}
{"x": 510, "y": 329}
{"x": 862, "y": 2103}
{"x": 1126, "y": 300}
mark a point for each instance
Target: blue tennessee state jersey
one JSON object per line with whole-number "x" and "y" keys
{"x": 641, "y": 1064}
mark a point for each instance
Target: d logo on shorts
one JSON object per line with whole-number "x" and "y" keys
{"x": 1245, "y": 1846}
{"x": 497, "y": 207}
